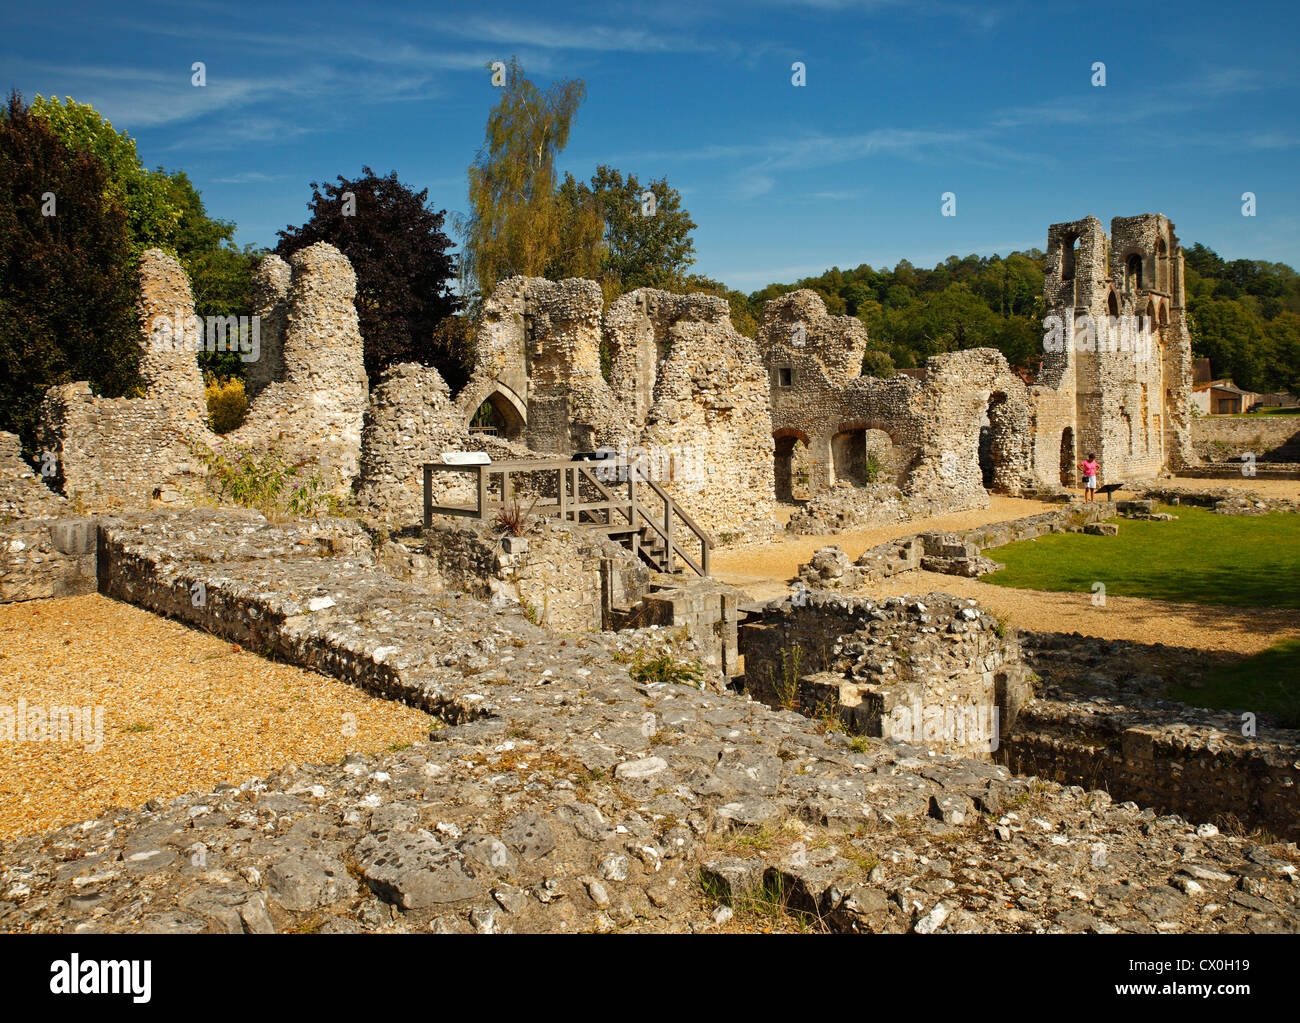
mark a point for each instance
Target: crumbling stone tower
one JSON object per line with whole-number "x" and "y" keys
{"x": 537, "y": 361}
{"x": 1117, "y": 384}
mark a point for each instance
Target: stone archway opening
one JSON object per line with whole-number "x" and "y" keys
{"x": 1068, "y": 459}
{"x": 1133, "y": 272}
{"x": 497, "y": 417}
{"x": 793, "y": 468}
{"x": 996, "y": 437}
{"x": 849, "y": 457}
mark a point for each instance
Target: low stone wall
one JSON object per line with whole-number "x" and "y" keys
{"x": 555, "y": 573}
{"x": 1238, "y": 502}
{"x": 1227, "y": 438}
{"x": 708, "y": 612}
{"x": 307, "y": 592}
{"x": 22, "y": 494}
{"x": 1194, "y": 769}
{"x": 1102, "y": 720}
{"x": 934, "y": 669}
{"x": 1233, "y": 471}
{"x": 120, "y": 453}
{"x": 959, "y": 553}
{"x": 46, "y": 558}
{"x": 846, "y": 508}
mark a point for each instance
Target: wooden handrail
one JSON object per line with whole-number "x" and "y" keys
{"x": 569, "y": 504}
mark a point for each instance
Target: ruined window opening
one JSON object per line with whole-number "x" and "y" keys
{"x": 793, "y": 469}
{"x": 1112, "y": 304}
{"x": 1068, "y": 252}
{"x": 1134, "y": 272}
{"x": 785, "y": 376}
{"x": 849, "y": 457}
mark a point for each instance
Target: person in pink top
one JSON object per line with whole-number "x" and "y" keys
{"x": 1089, "y": 468}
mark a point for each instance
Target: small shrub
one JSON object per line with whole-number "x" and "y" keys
{"x": 227, "y": 403}
{"x": 665, "y": 668}
{"x": 266, "y": 482}
{"x": 787, "y": 687}
{"x": 513, "y": 520}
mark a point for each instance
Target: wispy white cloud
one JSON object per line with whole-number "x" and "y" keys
{"x": 250, "y": 178}
{"x": 550, "y": 35}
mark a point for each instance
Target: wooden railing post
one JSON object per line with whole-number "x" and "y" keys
{"x": 482, "y": 489}
{"x": 670, "y": 561}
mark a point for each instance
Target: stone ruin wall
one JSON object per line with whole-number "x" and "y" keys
{"x": 23, "y": 495}
{"x": 728, "y": 413}
{"x": 44, "y": 550}
{"x": 412, "y": 419}
{"x": 1130, "y": 410}
{"x": 873, "y": 664}
{"x": 684, "y": 386}
{"x": 314, "y": 408}
{"x": 132, "y": 452}
{"x": 710, "y": 416}
{"x": 925, "y": 435}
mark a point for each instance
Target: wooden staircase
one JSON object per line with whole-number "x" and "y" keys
{"x": 635, "y": 512}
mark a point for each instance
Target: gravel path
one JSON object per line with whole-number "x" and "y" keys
{"x": 763, "y": 567}
{"x": 182, "y": 711}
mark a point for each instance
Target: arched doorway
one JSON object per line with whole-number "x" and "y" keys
{"x": 497, "y": 417}
{"x": 849, "y": 456}
{"x": 792, "y": 466}
{"x": 995, "y": 440}
{"x": 1067, "y": 457}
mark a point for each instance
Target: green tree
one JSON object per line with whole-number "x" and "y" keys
{"x": 647, "y": 233}
{"x": 67, "y": 290}
{"x": 514, "y": 220}
{"x": 393, "y": 238}
{"x": 148, "y": 197}
{"x": 580, "y": 245}
{"x": 163, "y": 211}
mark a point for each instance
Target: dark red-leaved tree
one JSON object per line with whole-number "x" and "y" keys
{"x": 395, "y": 243}
{"x": 67, "y": 278}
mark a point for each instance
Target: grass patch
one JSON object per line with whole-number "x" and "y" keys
{"x": 1264, "y": 684}
{"x": 1202, "y": 558}
{"x": 664, "y": 668}
{"x": 1290, "y": 410}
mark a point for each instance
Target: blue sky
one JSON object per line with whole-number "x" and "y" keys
{"x": 904, "y": 101}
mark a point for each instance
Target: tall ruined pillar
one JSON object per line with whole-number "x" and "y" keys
{"x": 170, "y": 338}
{"x": 271, "y": 307}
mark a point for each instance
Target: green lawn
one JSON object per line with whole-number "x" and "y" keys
{"x": 1203, "y": 558}
{"x": 1264, "y": 684}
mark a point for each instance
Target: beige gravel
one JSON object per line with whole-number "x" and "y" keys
{"x": 1289, "y": 489}
{"x": 764, "y": 567}
{"x": 182, "y": 711}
